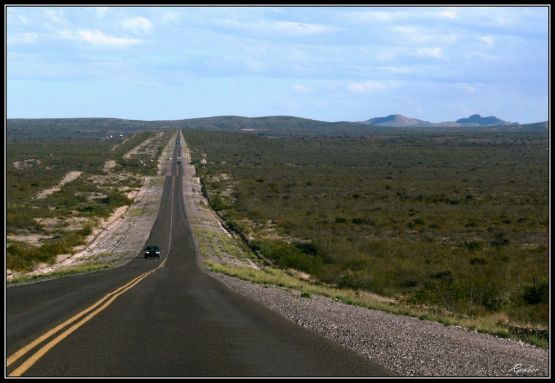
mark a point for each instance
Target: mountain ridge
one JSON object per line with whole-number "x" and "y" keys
{"x": 398, "y": 120}
{"x": 271, "y": 125}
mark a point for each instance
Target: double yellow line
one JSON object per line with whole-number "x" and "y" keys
{"x": 76, "y": 321}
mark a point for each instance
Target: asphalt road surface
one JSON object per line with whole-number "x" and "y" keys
{"x": 161, "y": 317}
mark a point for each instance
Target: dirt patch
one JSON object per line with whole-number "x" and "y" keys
{"x": 63, "y": 223}
{"x": 26, "y": 163}
{"x": 139, "y": 147}
{"x": 131, "y": 195}
{"x": 71, "y": 176}
{"x": 109, "y": 165}
{"x": 91, "y": 196}
{"x": 31, "y": 239}
{"x": 116, "y": 145}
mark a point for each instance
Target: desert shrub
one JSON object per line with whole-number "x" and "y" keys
{"x": 288, "y": 255}
{"x": 536, "y": 294}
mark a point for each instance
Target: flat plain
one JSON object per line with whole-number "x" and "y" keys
{"x": 449, "y": 222}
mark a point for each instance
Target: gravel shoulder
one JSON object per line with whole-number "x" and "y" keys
{"x": 406, "y": 345}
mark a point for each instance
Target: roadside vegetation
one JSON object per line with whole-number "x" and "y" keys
{"x": 449, "y": 225}
{"x": 39, "y": 229}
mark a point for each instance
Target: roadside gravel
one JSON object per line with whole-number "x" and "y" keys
{"x": 406, "y": 345}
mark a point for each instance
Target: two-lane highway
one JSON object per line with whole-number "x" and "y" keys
{"x": 161, "y": 318}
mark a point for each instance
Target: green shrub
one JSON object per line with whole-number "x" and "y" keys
{"x": 288, "y": 255}
{"x": 536, "y": 294}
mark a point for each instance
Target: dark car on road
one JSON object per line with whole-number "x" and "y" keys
{"x": 152, "y": 251}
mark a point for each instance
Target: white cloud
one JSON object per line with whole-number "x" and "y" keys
{"x": 283, "y": 27}
{"x": 16, "y": 19}
{"x": 373, "y": 16}
{"x": 365, "y": 86}
{"x": 137, "y": 24}
{"x": 449, "y": 14}
{"x": 421, "y": 35}
{"x": 397, "y": 69}
{"x": 101, "y": 12}
{"x": 369, "y": 17}
{"x": 435, "y": 52}
{"x": 172, "y": 17}
{"x": 388, "y": 54}
{"x": 97, "y": 37}
{"x": 55, "y": 15}
{"x": 488, "y": 40}
{"x": 468, "y": 88}
{"x": 22, "y": 38}
{"x": 299, "y": 88}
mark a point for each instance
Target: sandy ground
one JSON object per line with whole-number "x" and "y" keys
{"x": 119, "y": 238}
{"x": 121, "y": 143}
{"x": 109, "y": 165}
{"x": 137, "y": 148}
{"x": 71, "y": 176}
{"x": 32, "y": 239}
{"x": 197, "y": 206}
{"x": 206, "y": 225}
{"x": 26, "y": 163}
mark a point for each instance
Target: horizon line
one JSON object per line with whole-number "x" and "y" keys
{"x": 264, "y": 116}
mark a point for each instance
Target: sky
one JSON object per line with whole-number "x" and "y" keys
{"x": 324, "y": 63}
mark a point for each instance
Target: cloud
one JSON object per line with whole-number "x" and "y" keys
{"x": 424, "y": 36}
{"x": 365, "y": 86}
{"x": 16, "y": 19}
{"x": 367, "y": 17}
{"x": 450, "y": 14}
{"x": 435, "y": 52}
{"x": 388, "y": 54}
{"x": 282, "y": 27}
{"x": 172, "y": 17}
{"x": 372, "y": 16}
{"x": 137, "y": 24}
{"x": 469, "y": 88}
{"x": 488, "y": 40}
{"x": 97, "y": 37}
{"x": 56, "y": 16}
{"x": 299, "y": 88}
{"x": 22, "y": 38}
{"x": 397, "y": 69}
{"x": 101, "y": 11}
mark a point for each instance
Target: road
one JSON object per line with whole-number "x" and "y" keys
{"x": 161, "y": 317}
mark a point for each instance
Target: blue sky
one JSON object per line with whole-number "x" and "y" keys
{"x": 326, "y": 63}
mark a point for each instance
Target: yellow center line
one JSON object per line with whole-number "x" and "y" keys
{"x": 43, "y": 350}
{"x": 108, "y": 299}
{"x": 24, "y": 350}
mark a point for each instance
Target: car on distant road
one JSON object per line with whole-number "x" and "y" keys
{"x": 152, "y": 251}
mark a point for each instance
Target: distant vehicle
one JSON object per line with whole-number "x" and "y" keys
{"x": 152, "y": 251}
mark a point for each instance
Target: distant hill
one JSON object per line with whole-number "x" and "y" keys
{"x": 80, "y": 128}
{"x": 396, "y": 120}
{"x": 475, "y": 120}
{"x": 94, "y": 128}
